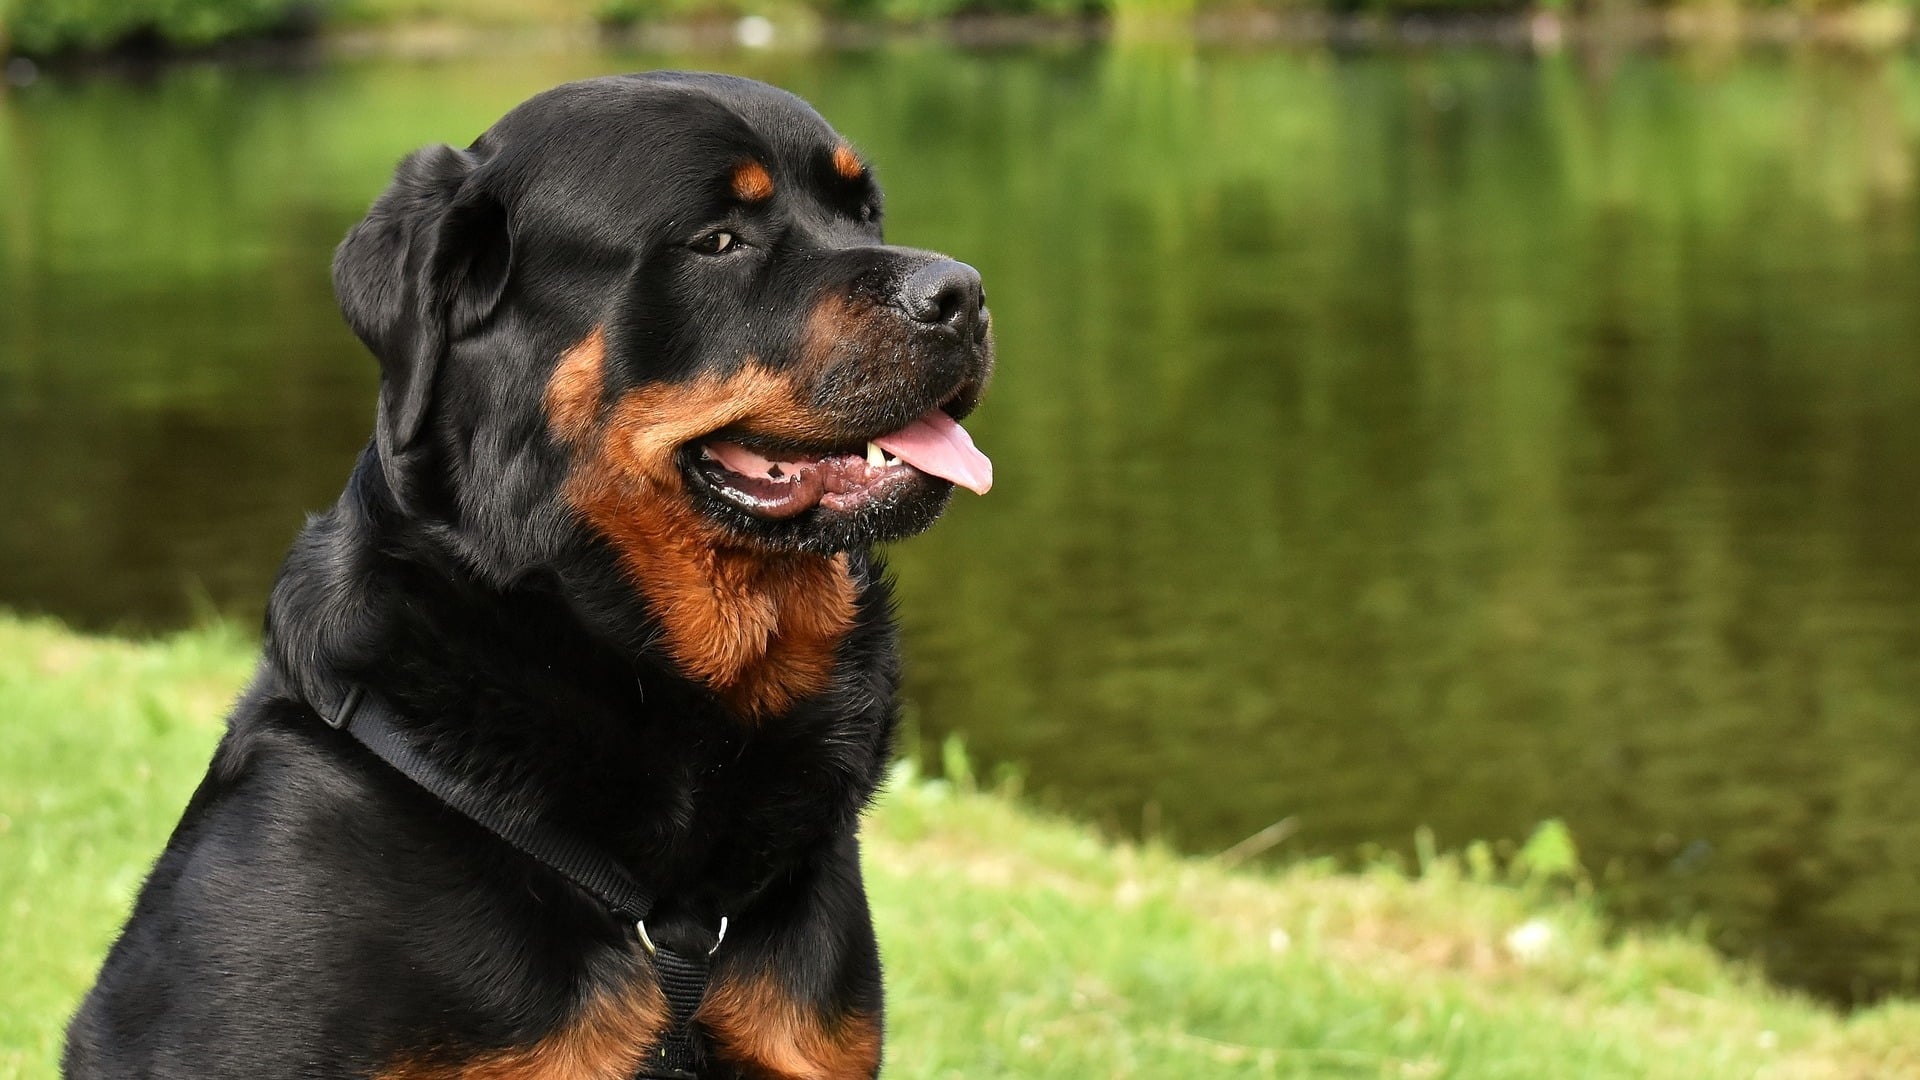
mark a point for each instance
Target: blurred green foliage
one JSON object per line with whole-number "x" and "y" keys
{"x": 45, "y": 27}
{"x": 629, "y": 12}
{"x": 50, "y": 26}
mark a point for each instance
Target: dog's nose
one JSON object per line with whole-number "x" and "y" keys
{"x": 943, "y": 293}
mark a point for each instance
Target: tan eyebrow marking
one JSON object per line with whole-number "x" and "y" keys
{"x": 752, "y": 182}
{"x": 846, "y": 164}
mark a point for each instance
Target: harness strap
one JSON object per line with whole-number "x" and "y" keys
{"x": 682, "y": 976}
{"x": 683, "y": 980}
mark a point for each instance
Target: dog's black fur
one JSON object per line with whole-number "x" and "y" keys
{"x": 317, "y": 915}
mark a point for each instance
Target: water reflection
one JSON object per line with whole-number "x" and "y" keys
{"x": 1454, "y": 439}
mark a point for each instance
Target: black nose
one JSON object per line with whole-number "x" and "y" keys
{"x": 943, "y": 293}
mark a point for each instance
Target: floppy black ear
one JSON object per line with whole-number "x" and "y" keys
{"x": 427, "y": 264}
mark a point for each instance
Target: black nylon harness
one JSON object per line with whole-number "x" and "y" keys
{"x": 682, "y": 974}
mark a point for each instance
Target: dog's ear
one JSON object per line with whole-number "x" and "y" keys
{"x": 427, "y": 265}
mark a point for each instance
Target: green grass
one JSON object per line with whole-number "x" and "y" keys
{"x": 1015, "y": 945}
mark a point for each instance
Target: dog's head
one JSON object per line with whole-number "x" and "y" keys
{"x": 653, "y": 315}
{"x": 679, "y": 282}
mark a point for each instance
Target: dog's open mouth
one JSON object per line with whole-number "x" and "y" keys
{"x": 779, "y": 483}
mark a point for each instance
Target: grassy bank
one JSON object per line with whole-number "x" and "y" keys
{"x": 1016, "y": 946}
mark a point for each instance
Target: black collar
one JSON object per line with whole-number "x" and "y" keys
{"x": 682, "y": 974}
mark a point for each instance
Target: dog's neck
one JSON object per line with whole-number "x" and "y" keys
{"x": 549, "y": 696}
{"x": 761, "y": 629}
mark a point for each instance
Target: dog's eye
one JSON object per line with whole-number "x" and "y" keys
{"x": 713, "y": 243}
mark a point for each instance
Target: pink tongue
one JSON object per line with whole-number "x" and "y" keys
{"x": 936, "y": 444}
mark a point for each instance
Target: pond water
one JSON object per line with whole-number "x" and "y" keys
{"x": 1457, "y": 439}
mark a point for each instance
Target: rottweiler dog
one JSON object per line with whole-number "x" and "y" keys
{"x": 652, "y": 388}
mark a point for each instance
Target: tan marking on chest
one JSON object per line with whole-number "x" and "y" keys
{"x": 758, "y": 1026}
{"x": 605, "y": 1040}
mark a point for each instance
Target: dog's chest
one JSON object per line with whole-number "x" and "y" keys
{"x": 730, "y": 804}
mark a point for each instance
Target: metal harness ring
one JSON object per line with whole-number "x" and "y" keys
{"x": 720, "y": 936}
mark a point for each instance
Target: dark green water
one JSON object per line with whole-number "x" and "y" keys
{"x": 1460, "y": 440}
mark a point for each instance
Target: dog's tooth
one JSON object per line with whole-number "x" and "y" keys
{"x": 876, "y": 457}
